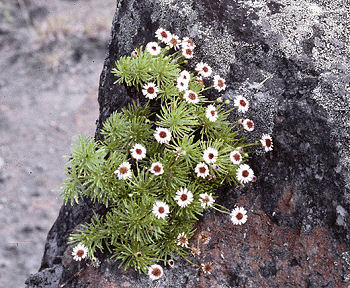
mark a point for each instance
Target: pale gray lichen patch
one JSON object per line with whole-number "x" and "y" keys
{"x": 263, "y": 109}
{"x": 326, "y": 25}
{"x": 129, "y": 25}
{"x": 185, "y": 15}
{"x": 306, "y": 31}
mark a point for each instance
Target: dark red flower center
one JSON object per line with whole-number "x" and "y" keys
{"x": 139, "y": 254}
{"x": 237, "y": 157}
{"x": 245, "y": 173}
{"x": 242, "y": 103}
{"x": 161, "y": 210}
{"x": 239, "y": 216}
{"x": 202, "y": 169}
{"x": 189, "y": 41}
{"x": 183, "y": 197}
{"x": 162, "y": 134}
{"x": 171, "y": 263}
{"x": 192, "y": 96}
{"x": 163, "y": 34}
{"x": 156, "y": 272}
{"x": 267, "y": 142}
{"x": 154, "y": 48}
{"x": 212, "y": 112}
{"x": 189, "y": 52}
{"x": 207, "y": 267}
{"x": 182, "y": 239}
{"x": 205, "y": 69}
{"x": 250, "y": 124}
{"x": 157, "y": 169}
{"x": 138, "y": 151}
{"x": 211, "y": 156}
{"x": 221, "y": 83}
{"x": 123, "y": 170}
{"x": 150, "y": 90}
{"x": 206, "y": 199}
{"x": 173, "y": 41}
{"x": 80, "y": 253}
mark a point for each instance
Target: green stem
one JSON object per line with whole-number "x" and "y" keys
{"x": 253, "y": 144}
{"x": 267, "y": 78}
{"x": 221, "y": 206}
{"x": 206, "y": 89}
{"x": 190, "y": 261}
{"x": 225, "y": 212}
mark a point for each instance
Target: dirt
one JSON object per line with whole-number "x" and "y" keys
{"x": 51, "y": 56}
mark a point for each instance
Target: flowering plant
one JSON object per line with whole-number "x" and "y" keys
{"x": 161, "y": 160}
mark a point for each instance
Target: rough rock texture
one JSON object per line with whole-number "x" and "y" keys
{"x": 297, "y": 232}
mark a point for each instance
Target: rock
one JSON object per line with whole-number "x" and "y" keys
{"x": 297, "y": 230}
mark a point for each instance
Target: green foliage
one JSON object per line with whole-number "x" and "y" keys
{"x": 131, "y": 230}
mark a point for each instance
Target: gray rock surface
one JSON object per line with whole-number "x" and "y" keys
{"x": 297, "y": 232}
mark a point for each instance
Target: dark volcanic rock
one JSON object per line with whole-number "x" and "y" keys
{"x": 298, "y": 210}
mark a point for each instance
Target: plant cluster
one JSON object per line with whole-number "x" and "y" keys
{"x": 157, "y": 169}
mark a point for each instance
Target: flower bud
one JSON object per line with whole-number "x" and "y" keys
{"x": 134, "y": 53}
{"x": 227, "y": 102}
{"x": 219, "y": 100}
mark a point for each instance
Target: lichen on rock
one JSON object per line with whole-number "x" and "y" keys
{"x": 294, "y": 227}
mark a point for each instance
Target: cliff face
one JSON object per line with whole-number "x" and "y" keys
{"x": 298, "y": 210}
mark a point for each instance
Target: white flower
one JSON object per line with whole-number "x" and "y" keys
{"x": 248, "y": 124}
{"x": 239, "y": 216}
{"x": 124, "y": 171}
{"x": 203, "y": 69}
{"x": 138, "y": 152}
{"x": 211, "y": 113}
{"x": 182, "y": 240}
{"x": 266, "y": 141}
{"x": 187, "y": 52}
{"x": 79, "y": 252}
{"x": 163, "y": 35}
{"x": 206, "y": 267}
{"x": 153, "y": 48}
{"x": 191, "y": 97}
{"x": 182, "y": 84}
{"x": 244, "y": 173}
{"x": 155, "y": 272}
{"x": 174, "y": 42}
{"x": 185, "y": 75}
{"x": 202, "y": 170}
{"x": 135, "y": 53}
{"x": 183, "y": 197}
{"x": 206, "y": 200}
{"x": 150, "y": 90}
{"x": 219, "y": 83}
{"x": 188, "y": 43}
{"x": 162, "y": 135}
{"x": 160, "y": 209}
{"x": 210, "y": 155}
{"x": 157, "y": 168}
{"x": 235, "y": 157}
{"x": 171, "y": 263}
{"x": 241, "y": 103}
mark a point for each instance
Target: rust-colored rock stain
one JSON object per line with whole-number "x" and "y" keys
{"x": 263, "y": 254}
